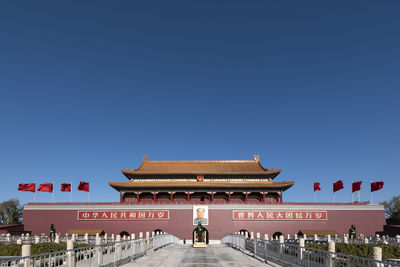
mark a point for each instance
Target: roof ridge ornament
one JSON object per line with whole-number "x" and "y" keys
{"x": 256, "y": 158}
{"x": 145, "y": 158}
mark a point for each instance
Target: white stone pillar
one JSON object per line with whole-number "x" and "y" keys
{"x": 37, "y": 239}
{"x": 99, "y": 250}
{"x": 132, "y": 236}
{"x": 86, "y": 238}
{"x": 332, "y": 250}
{"x": 315, "y": 237}
{"x": 70, "y": 253}
{"x": 19, "y": 241}
{"x": 112, "y": 237}
{"x": 328, "y": 238}
{"x": 377, "y": 255}
{"x": 301, "y": 248}
{"x": 266, "y": 237}
{"x": 105, "y": 236}
{"x": 281, "y": 243}
{"x": 288, "y": 236}
{"x": 258, "y": 235}
{"x": 398, "y": 238}
{"x": 295, "y": 236}
{"x": 345, "y": 239}
{"x": 57, "y": 239}
{"x": 26, "y": 252}
{"x": 8, "y": 237}
{"x": 140, "y": 235}
{"x": 73, "y": 237}
{"x": 305, "y": 236}
{"x": 251, "y": 235}
{"x": 147, "y": 235}
{"x": 246, "y": 234}
{"x": 366, "y": 241}
{"x": 118, "y": 249}
{"x": 152, "y": 234}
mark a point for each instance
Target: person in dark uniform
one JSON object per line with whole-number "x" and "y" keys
{"x": 200, "y": 232}
{"x": 52, "y": 233}
{"x": 352, "y": 231}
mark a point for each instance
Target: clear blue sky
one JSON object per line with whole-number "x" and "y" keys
{"x": 89, "y": 88}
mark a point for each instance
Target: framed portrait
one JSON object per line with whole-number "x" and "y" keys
{"x": 200, "y": 214}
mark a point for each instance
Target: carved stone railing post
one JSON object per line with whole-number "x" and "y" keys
{"x": 331, "y": 255}
{"x": 301, "y": 249}
{"x": 70, "y": 253}
{"x": 377, "y": 255}
{"x": 99, "y": 251}
{"x": 26, "y": 252}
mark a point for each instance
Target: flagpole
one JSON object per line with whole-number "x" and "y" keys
{"x": 34, "y": 194}
{"x": 370, "y": 193}
{"x": 315, "y": 199}
{"x": 352, "y": 192}
{"x": 88, "y": 197}
{"x": 70, "y": 194}
{"x": 52, "y": 194}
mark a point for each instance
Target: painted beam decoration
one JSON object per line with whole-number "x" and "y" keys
{"x": 123, "y": 215}
{"x": 279, "y": 215}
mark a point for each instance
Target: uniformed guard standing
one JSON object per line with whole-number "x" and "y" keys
{"x": 52, "y": 233}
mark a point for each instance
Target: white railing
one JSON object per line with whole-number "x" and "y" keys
{"x": 295, "y": 255}
{"x": 111, "y": 253}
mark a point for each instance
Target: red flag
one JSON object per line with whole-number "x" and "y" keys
{"x": 316, "y": 187}
{"x": 375, "y": 186}
{"x": 66, "y": 187}
{"x": 46, "y": 187}
{"x": 338, "y": 185}
{"x": 356, "y": 186}
{"x": 27, "y": 187}
{"x": 83, "y": 186}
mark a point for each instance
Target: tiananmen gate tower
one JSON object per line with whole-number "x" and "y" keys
{"x": 226, "y": 196}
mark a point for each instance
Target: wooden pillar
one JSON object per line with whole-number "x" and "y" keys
{"x": 229, "y": 196}
{"x": 137, "y": 196}
{"x": 263, "y": 199}
{"x": 154, "y": 196}
{"x": 172, "y": 196}
{"x": 246, "y": 196}
{"x": 281, "y": 196}
{"x": 120, "y": 197}
{"x": 188, "y": 196}
{"x": 212, "y": 196}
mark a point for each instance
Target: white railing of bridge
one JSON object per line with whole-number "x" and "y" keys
{"x": 110, "y": 253}
{"x": 290, "y": 254}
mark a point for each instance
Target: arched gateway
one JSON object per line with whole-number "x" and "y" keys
{"x": 224, "y": 195}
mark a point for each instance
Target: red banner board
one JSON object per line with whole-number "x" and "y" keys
{"x": 123, "y": 215}
{"x": 279, "y": 215}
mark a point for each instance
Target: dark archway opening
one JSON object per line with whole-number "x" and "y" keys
{"x": 124, "y": 233}
{"x": 276, "y": 235}
{"x": 158, "y": 232}
{"x": 243, "y": 232}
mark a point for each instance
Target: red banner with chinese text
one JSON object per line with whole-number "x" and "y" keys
{"x": 123, "y": 215}
{"x": 280, "y": 215}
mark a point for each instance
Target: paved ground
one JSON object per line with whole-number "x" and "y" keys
{"x": 187, "y": 256}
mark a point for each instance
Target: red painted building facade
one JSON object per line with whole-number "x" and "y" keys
{"x": 226, "y": 196}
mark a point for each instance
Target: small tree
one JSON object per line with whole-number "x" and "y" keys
{"x": 392, "y": 209}
{"x": 10, "y": 212}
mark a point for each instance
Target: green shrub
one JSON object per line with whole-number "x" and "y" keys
{"x": 362, "y": 250}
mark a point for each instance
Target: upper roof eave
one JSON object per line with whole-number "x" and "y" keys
{"x": 218, "y": 167}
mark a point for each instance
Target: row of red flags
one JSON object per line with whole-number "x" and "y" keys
{"x": 48, "y": 187}
{"x": 356, "y": 186}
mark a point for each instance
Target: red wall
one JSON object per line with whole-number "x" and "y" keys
{"x": 220, "y": 222}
